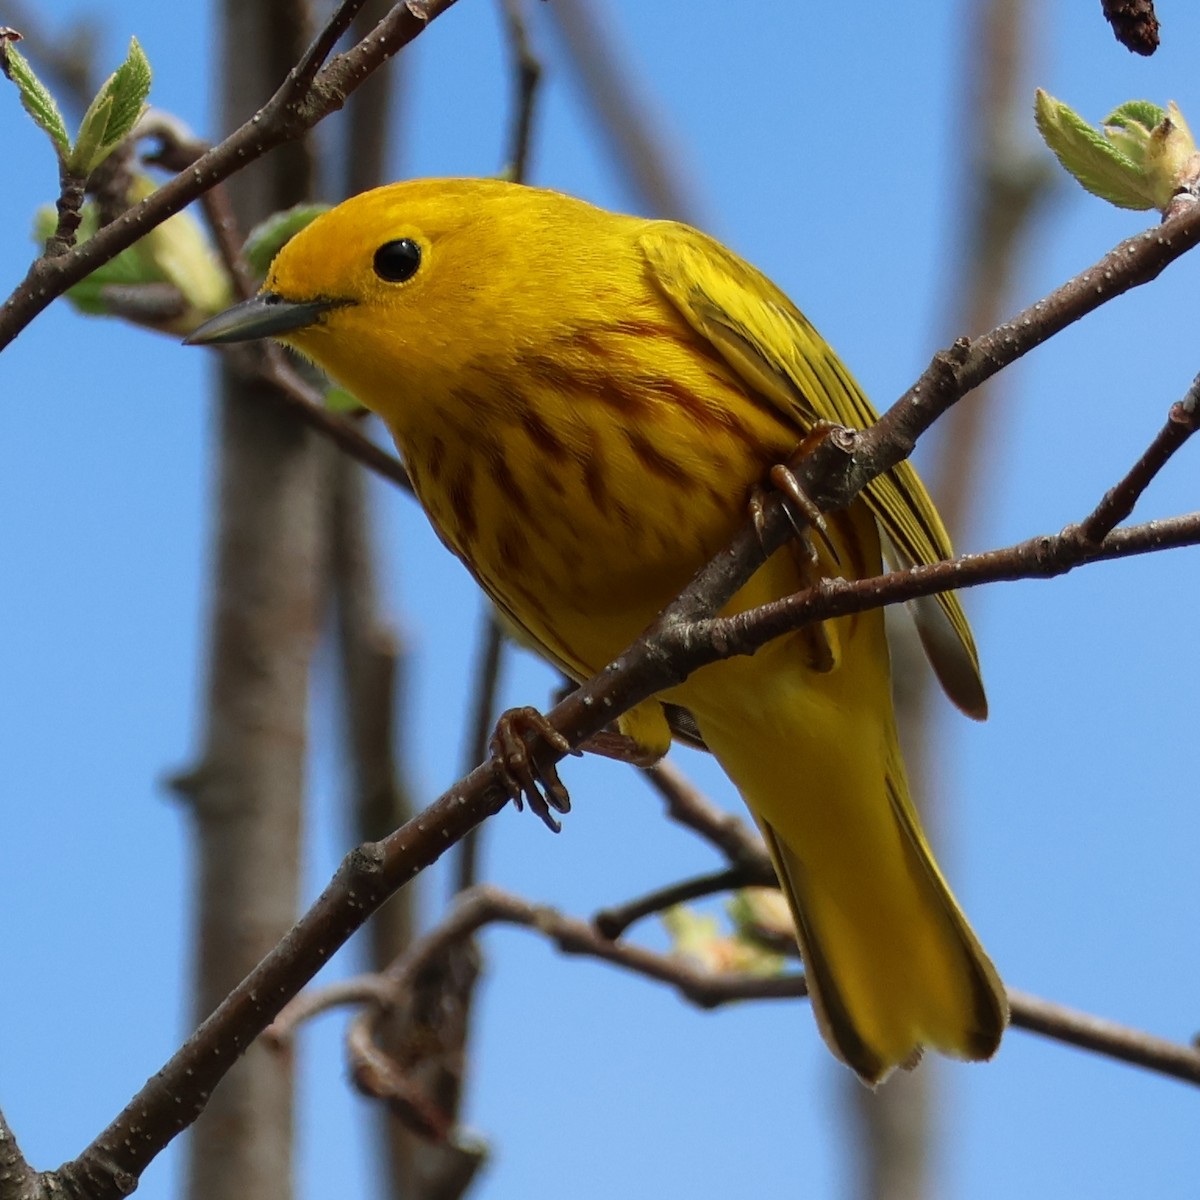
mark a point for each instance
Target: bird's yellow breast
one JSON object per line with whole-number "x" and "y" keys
{"x": 584, "y": 482}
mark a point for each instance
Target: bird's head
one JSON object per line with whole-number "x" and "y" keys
{"x": 405, "y": 286}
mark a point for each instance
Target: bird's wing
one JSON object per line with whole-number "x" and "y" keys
{"x": 777, "y": 353}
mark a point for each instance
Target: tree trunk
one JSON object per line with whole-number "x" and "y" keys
{"x": 247, "y": 790}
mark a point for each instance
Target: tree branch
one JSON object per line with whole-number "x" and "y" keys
{"x": 1081, "y": 1029}
{"x": 613, "y": 922}
{"x": 527, "y": 74}
{"x": 953, "y": 373}
{"x": 1118, "y": 501}
{"x": 300, "y": 78}
{"x": 486, "y": 905}
{"x": 689, "y": 807}
{"x": 1041, "y": 557}
{"x": 1091, "y": 540}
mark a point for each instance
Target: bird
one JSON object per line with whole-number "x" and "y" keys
{"x": 586, "y": 403}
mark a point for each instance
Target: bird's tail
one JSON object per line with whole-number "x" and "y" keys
{"x": 890, "y": 975}
{"x": 891, "y": 962}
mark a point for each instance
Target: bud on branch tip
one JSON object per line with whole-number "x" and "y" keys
{"x": 109, "y": 119}
{"x": 1140, "y": 157}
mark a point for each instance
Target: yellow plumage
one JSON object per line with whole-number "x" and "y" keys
{"x": 585, "y": 402}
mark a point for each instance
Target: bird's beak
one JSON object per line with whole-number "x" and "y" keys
{"x": 264, "y": 315}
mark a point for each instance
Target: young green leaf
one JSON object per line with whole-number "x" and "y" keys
{"x": 89, "y": 152}
{"x": 115, "y": 110}
{"x": 35, "y": 97}
{"x": 1103, "y": 168}
{"x": 1129, "y": 128}
{"x": 1139, "y": 112}
{"x": 129, "y": 87}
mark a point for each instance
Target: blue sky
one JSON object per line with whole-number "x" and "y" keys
{"x": 829, "y": 153}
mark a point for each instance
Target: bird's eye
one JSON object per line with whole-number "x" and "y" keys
{"x": 397, "y": 261}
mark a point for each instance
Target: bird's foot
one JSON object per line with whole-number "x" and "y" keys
{"x": 802, "y": 511}
{"x": 523, "y": 777}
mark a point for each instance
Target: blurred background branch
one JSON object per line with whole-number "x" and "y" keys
{"x": 640, "y": 148}
{"x": 246, "y": 793}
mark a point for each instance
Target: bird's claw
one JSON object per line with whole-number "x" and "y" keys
{"x": 801, "y": 510}
{"x": 798, "y": 502}
{"x": 523, "y": 778}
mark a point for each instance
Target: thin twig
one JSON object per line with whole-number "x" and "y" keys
{"x": 155, "y": 305}
{"x": 1042, "y": 557}
{"x": 306, "y": 403}
{"x": 70, "y": 213}
{"x": 177, "y": 151}
{"x": 301, "y": 76}
{"x": 218, "y": 212}
{"x": 689, "y": 807}
{"x": 614, "y": 921}
{"x": 1118, "y": 501}
{"x": 1105, "y": 1037}
{"x": 1054, "y": 1021}
{"x": 527, "y": 72}
{"x": 488, "y": 905}
{"x": 372, "y": 988}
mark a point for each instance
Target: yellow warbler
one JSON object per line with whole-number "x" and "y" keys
{"x": 585, "y": 403}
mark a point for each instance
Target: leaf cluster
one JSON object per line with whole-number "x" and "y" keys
{"x": 1140, "y": 157}
{"x": 110, "y": 117}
